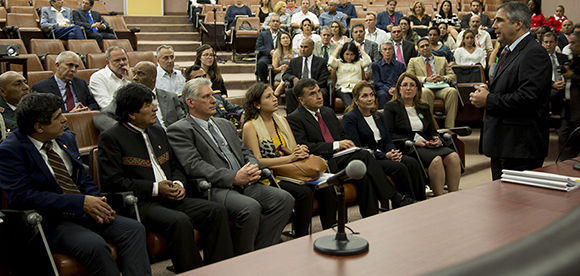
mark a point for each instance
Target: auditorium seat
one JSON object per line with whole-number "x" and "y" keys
{"x": 123, "y": 43}
{"x": 100, "y": 7}
{"x": 2, "y": 17}
{"x": 33, "y": 63}
{"x": 86, "y": 134}
{"x": 98, "y": 61}
{"x": 84, "y": 47}
{"x": 28, "y": 28}
{"x": 85, "y": 74}
{"x": 10, "y": 3}
{"x": 43, "y": 47}
{"x": 36, "y": 76}
{"x": 50, "y": 61}
{"x": 244, "y": 40}
{"x": 26, "y": 10}
{"x": 121, "y": 30}
{"x": 135, "y": 57}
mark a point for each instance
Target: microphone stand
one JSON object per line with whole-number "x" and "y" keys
{"x": 341, "y": 244}
{"x": 217, "y": 58}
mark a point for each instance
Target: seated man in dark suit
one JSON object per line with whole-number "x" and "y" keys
{"x": 134, "y": 155}
{"x": 210, "y": 148}
{"x": 40, "y": 169}
{"x": 13, "y": 86}
{"x": 317, "y": 127}
{"x": 558, "y": 83}
{"x": 169, "y": 109}
{"x": 386, "y": 72}
{"x": 314, "y": 67}
{"x": 61, "y": 20}
{"x": 65, "y": 84}
{"x": 476, "y": 8}
{"x": 404, "y": 50}
{"x": 266, "y": 45}
{"x": 95, "y": 26}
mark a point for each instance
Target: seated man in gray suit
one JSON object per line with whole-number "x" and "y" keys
{"x": 324, "y": 48}
{"x": 371, "y": 48}
{"x": 210, "y": 148}
{"x": 169, "y": 109}
{"x": 60, "y": 18}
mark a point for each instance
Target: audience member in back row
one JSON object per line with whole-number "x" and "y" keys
{"x": 205, "y": 58}
{"x": 238, "y": 8}
{"x": 438, "y": 48}
{"x": 13, "y": 86}
{"x": 372, "y": 33}
{"x": 390, "y": 17}
{"x": 482, "y": 37}
{"x": 363, "y": 125}
{"x": 332, "y": 15}
{"x": 40, "y": 168}
{"x": 299, "y": 17}
{"x": 168, "y": 78}
{"x": 404, "y": 49}
{"x": 265, "y": 44}
{"x": 468, "y": 53}
{"x": 408, "y": 118}
{"x": 558, "y": 82}
{"x": 106, "y": 81}
{"x": 61, "y": 20}
{"x": 95, "y": 26}
{"x": 169, "y": 108}
{"x": 154, "y": 175}
{"x": 306, "y": 28}
{"x": 386, "y": 72}
{"x": 420, "y": 19}
{"x": 223, "y": 106}
{"x": 65, "y": 84}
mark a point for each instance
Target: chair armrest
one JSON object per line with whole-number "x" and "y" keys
{"x": 135, "y": 30}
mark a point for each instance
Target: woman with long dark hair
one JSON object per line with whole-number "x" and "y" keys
{"x": 205, "y": 58}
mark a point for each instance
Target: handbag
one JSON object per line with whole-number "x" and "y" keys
{"x": 307, "y": 169}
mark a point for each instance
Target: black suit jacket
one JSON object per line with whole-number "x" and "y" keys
{"x": 397, "y": 121}
{"x": 8, "y": 114}
{"x": 265, "y": 44}
{"x": 358, "y": 130}
{"x": 124, "y": 163}
{"x": 408, "y": 51}
{"x": 516, "y": 120}
{"x": 318, "y": 71}
{"x": 307, "y": 131}
{"x": 79, "y": 87}
{"x": 80, "y": 18}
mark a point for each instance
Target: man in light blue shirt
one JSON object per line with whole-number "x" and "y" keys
{"x": 332, "y": 15}
{"x": 168, "y": 78}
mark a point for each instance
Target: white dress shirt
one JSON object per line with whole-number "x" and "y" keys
{"x": 171, "y": 83}
{"x": 378, "y": 37}
{"x": 56, "y": 148}
{"x": 482, "y": 39}
{"x": 103, "y": 85}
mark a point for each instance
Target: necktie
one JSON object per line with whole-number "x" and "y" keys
{"x": 59, "y": 169}
{"x": 305, "y": 71}
{"x": 428, "y": 68}
{"x": 400, "y": 53}
{"x": 92, "y": 22}
{"x": 221, "y": 143}
{"x": 324, "y": 129}
{"x": 503, "y": 58}
{"x": 70, "y": 101}
{"x": 554, "y": 67}
{"x": 275, "y": 41}
{"x": 325, "y": 49}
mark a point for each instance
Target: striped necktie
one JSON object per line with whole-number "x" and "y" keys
{"x": 59, "y": 170}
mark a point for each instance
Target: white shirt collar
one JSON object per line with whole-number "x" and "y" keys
{"x": 136, "y": 127}
{"x": 515, "y": 43}
{"x": 37, "y": 143}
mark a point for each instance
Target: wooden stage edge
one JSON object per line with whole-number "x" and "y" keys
{"x": 423, "y": 237}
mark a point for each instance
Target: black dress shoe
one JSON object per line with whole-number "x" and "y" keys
{"x": 405, "y": 200}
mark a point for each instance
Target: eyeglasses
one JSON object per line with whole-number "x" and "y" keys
{"x": 395, "y": 32}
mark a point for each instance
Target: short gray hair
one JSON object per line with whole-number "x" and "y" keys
{"x": 65, "y": 54}
{"x": 114, "y": 48}
{"x": 517, "y": 11}
{"x": 387, "y": 42}
{"x": 158, "y": 51}
{"x": 191, "y": 88}
{"x": 325, "y": 28}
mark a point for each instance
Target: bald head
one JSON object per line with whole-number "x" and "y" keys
{"x": 475, "y": 22}
{"x": 13, "y": 86}
{"x": 145, "y": 72}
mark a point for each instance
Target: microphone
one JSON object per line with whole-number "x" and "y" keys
{"x": 355, "y": 169}
{"x": 409, "y": 144}
{"x": 266, "y": 173}
{"x": 447, "y": 136}
{"x": 130, "y": 200}
{"x": 204, "y": 185}
{"x": 461, "y": 131}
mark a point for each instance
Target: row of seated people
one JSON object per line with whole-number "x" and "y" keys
{"x": 152, "y": 171}
{"x": 382, "y": 66}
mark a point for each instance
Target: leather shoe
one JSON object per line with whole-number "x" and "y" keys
{"x": 405, "y": 200}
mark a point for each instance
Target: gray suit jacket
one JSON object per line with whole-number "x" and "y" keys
{"x": 372, "y": 49}
{"x": 48, "y": 18}
{"x": 201, "y": 157}
{"x": 320, "y": 53}
{"x": 169, "y": 104}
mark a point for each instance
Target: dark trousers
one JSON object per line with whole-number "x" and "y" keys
{"x": 176, "y": 221}
{"x": 383, "y": 96}
{"x": 262, "y": 68}
{"x": 373, "y": 187}
{"x": 407, "y": 175}
{"x": 85, "y": 240}
{"x": 518, "y": 164}
{"x": 345, "y": 97}
{"x": 572, "y": 148}
{"x": 100, "y": 36}
{"x": 556, "y": 101}
{"x": 68, "y": 33}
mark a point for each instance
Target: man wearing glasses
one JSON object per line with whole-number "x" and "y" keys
{"x": 404, "y": 50}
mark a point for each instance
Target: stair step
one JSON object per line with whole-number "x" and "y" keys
{"x": 239, "y": 80}
{"x": 152, "y": 19}
{"x": 188, "y": 46}
{"x": 163, "y": 27}
{"x": 156, "y": 36}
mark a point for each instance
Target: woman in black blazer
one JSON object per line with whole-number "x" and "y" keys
{"x": 408, "y": 118}
{"x": 367, "y": 129}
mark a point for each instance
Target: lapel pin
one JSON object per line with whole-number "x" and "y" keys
{"x": 64, "y": 146}
{"x": 159, "y": 146}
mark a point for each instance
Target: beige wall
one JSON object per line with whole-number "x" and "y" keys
{"x": 572, "y": 8}
{"x": 115, "y": 5}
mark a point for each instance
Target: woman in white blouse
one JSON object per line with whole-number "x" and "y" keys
{"x": 468, "y": 53}
{"x": 306, "y": 27}
{"x": 349, "y": 68}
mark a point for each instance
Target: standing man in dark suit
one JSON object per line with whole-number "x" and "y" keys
{"x": 169, "y": 109}
{"x": 314, "y": 67}
{"x": 13, "y": 86}
{"x": 40, "y": 168}
{"x": 404, "y": 50}
{"x": 317, "y": 127}
{"x": 571, "y": 114}
{"x": 266, "y": 45}
{"x": 73, "y": 90}
{"x": 134, "y": 155}
{"x": 95, "y": 26}
{"x": 210, "y": 148}
{"x": 558, "y": 83}
{"x": 515, "y": 125}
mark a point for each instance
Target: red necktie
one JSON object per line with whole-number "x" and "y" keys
{"x": 70, "y": 101}
{"x": 503, "y": 58}
{"x": 324, "y": 129}
{"x": 428, "y": 68}
{"x": 400, "y": 53}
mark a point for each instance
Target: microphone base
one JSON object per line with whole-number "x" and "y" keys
{"x": 331, "y": 245}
